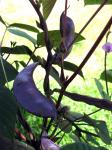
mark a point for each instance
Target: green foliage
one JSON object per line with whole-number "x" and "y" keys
{"x": 10, "y": 72}
{"x": 47, "y": 7}
{"x": 71, "y": 67}
{"x": 100, "y": 128}
{"x": 80, "y": 146}
{"x": 94, "y": 2}
{"x": 66, "y": 122}
{"x": 24, "y": 26}
{"x": 109, "y": 75}
{"x": 22, "y": 34}
{"x": 55, "y": 38}
{"x": 101, "y": 90}
{"x": 8, "y": 108}
{"x": 2, "y": 21}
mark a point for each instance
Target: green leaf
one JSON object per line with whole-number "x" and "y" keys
{"x": 62, "y": 125}
{"x": 25, "y": 27}
{"x": 73, "y": 115}
{"x": 55, "y": 38}
{"x": 72, "y": 67}
{"x": 2, "y": 21}
{"x": 100, "y": 128}
{"x": 100, "y": 87}
{"x": 16, "y": 50}
{"x": 80, "y": 146}
{"x": 22, "y": 34}
{"x": 18, "y": 63}
{"x": 109, "y": 75}
{"x": 54, "y": 73}
{"x": 101, "y": 90}
{"x": 10, "y": 72}
{"x": 8, "y": 144}
{"x": 94, "y": 2}
{"x": 47, "y": 7}
{"x": 91, "y": 139}
{"x": 8, "y": 110}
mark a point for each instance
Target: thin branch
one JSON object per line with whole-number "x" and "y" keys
{"x": 90, "y": 52}
{"x": 88, "y": 22}
{"x": 105, "y": 70}
{"x": 100, "y": 103}
{"x": 48, "y": 44}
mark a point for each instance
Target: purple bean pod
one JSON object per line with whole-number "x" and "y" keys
{"x": 30, "y": 97}
{"x": 67, "y": 29}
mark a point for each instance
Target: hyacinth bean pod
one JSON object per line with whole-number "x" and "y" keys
{"x": 67, "y": 29}
{"x": 30, "y": 97}
{"x": 47, "y": 144}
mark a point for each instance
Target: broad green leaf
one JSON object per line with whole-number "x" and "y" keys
{"x": 10, "y": 72}
{"x": 72, "y": 67}
{"x": 94, "y": 2}
{"x": 1, "y": 20}
{"x": 65, "y": 126}
{"x": 22, "y": 34}
{"x": 55, "y": 38}
{"x": 100, "y": 128}
{"x": 25, "y": 27}
{"x": 8, "y": 110}
{"x": 54, "y": 73}
{"x": 80, "y": 146}
{"x": 91, "y": 139}
{"x": 109, "y": 75}
{"x": 101, "y": 90}
{"x": 103, "y": 132}
{"x": 47, "y": 7}
{"x": 100, "y": 87}
{"x": 16, "y": 50}
{"x": 73, "y": 115}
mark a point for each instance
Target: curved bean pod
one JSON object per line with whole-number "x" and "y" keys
{"x": 67, "y": 29}
{"x": 30, "y": 97}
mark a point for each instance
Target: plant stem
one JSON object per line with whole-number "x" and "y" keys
{"x": 89, "y": 53}
{"x": 1, "y": 59}
{"x": 105, "y": 68}
{"x": 88, "y": 22}
{"x": 48, "y": 45}
{"x": 93, "y": 48}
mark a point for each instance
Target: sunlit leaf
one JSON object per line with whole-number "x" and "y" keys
{"x": 25, "y": 27}
{"x": 55, "y": 38}
{"x": 101, "y": 90}
{"x": 10, "y": 72}
{"x": 71, "y": 67}
{"x": 8, "y": 110}
{"x": 54, "y": 73}
{"x": 1, "y": 20}
{"x": 22, "y": 34}
{"x": 47, "y": 7}
{"x": 95, "y": 2}
{"x": 109, "y": 75}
